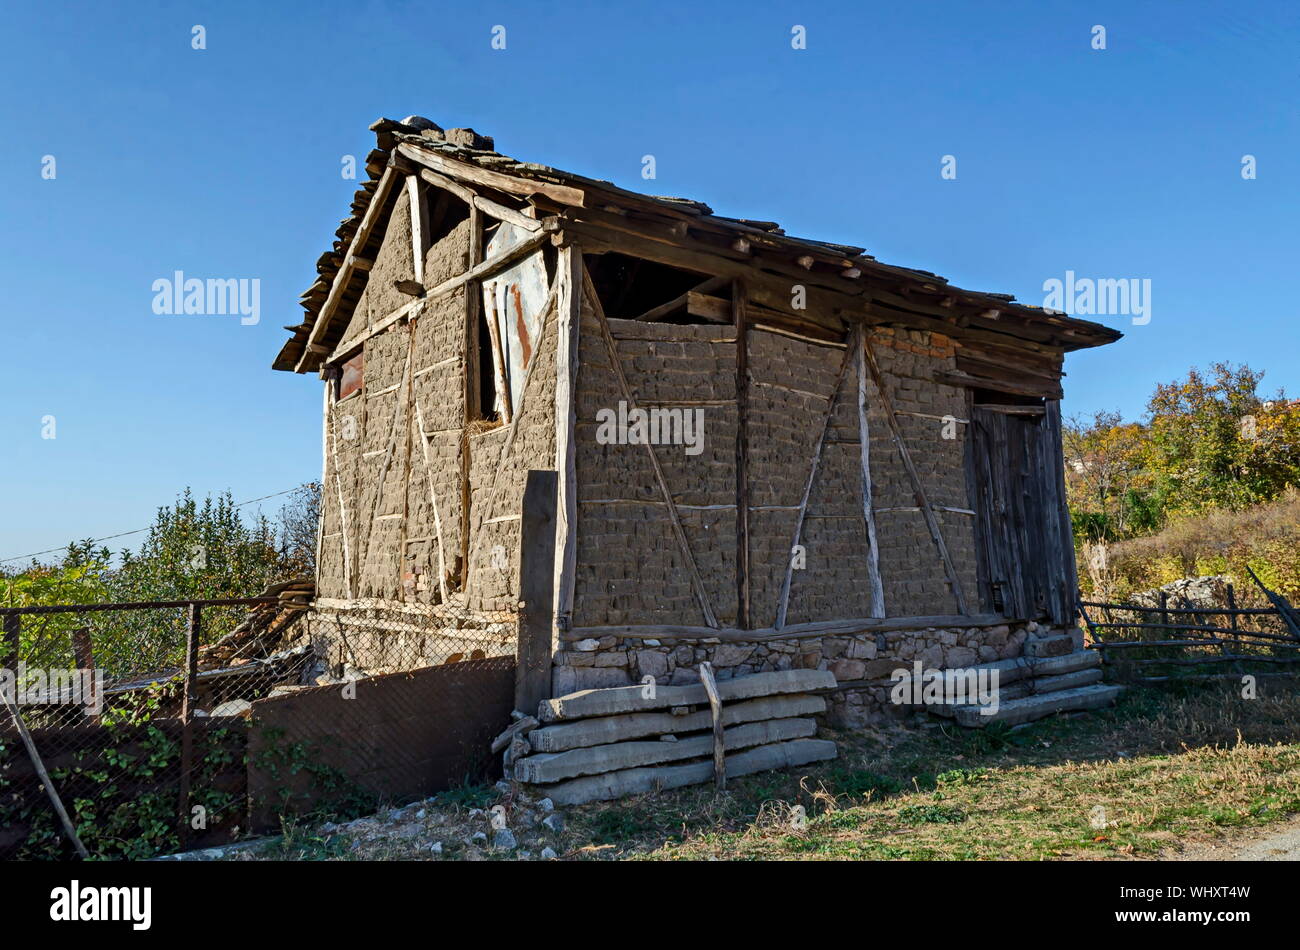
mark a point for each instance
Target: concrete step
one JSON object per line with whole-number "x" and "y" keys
{"x": 1015, "y": 711}
{"x": 1032, "y": 687}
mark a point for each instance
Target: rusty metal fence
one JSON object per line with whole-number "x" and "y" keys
{"x": 131, "y": 730}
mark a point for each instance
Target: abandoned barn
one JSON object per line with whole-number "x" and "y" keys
{"x": 772, "y": 453}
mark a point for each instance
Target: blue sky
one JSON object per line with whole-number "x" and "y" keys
{"x": 225, "y": 162}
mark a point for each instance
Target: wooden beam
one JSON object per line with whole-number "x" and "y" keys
{"x": 1016, "y": 388}
{"x": 876, "y": 588}
{"x": 363, "y": 548}
{"x": 784, "y": 603}
{"x": 611, "y": 349}
{"x": 682, "y": 302}
{"x": 489, "y": 207}
{"x": 796, "y": 631}
{"x": 742, "y": 453}
{"x": 918, "y": 490}
{"x": 420, "y": 234}
{"x": 472, "y": 398}
{"x": 504, "y": 456}
{"x": 573, "y": 281}
{"x": 537, "y": 536}
{"x": 378, "y": 202}
{"x": 433, "y": 501}
{"x": 463, "y": 171}
{"x": 719, "y": 740}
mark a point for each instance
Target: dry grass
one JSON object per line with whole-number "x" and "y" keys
{"x": 1267, "y": 537}
{"x": 1164, "y": 770}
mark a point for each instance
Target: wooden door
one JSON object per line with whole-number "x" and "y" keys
{"x": 1023, "y": 541}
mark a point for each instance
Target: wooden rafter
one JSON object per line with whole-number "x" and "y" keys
{"x": 783, "y": 605}
{"x": 378, "y": 203}
{"x": 611, "y": 349}
{"x": 486, "y": 205}
{"x": 918, "y": 490}
{"x": 684, "y": 301}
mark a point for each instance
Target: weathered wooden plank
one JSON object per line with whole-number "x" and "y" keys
{"x": 638, "y": 781}
{"x": 607, "y": 729}
{"x": 816, "y": 628}
{"x": 378, "y": 203}
{"x": 719, "y": 736}
{"x": 876, "y": 587}
{"x": 739, "y": 317}
{"x": 626, "y": 699}
{"x": 594, "y": 760}
{"x": 433, "y": 501}
{"x": 537, "y": 533}
{"x": 573, "y": 280}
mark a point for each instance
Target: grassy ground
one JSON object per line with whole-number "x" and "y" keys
{"x": 1162, "y": 771}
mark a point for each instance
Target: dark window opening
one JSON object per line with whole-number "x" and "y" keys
{"x": 487, "y": 386}
{"x": 993, "y": 397}
{"x": 446, "y": 212}
{"x": 351, "y": 377}
{"x": 631, "y": 288}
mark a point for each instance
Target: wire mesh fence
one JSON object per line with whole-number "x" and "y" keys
{"x": 164, "y": 726}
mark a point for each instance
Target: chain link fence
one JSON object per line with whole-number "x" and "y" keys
{"x": 166, "y": 726}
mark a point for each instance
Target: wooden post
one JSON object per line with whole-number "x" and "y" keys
{"x": 918, "y": 491}
{"x": 192, "y": 635}
{"x": 83, "y": 653}
{"x": 11, "y": 640}
{"x": 1164, "y": 613}
{"x": 473, "y": 409}
{"x": 536, "y": 591}
{"x": 742, "y": 453}
{"x": 68, "y": 828}
{"x": 569, "y": 288}
{"x": 719, "y": 740}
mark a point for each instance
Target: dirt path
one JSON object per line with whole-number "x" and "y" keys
{"x": 1276, "y": 844}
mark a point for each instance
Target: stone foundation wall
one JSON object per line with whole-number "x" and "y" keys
{"x": 862, "y": 663}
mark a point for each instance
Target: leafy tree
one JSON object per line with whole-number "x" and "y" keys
{"x": 1216, "y": 443}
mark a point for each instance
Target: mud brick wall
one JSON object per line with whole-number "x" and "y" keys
{"x": 630, "y": 568}
{"x": 497, "y": 480}
{"x": 790, "y": 383}
{"x": 379, "y": 415}
{"x": 910, "y": 567}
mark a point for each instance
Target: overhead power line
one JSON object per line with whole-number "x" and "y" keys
{"x": 124, "y": 534}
